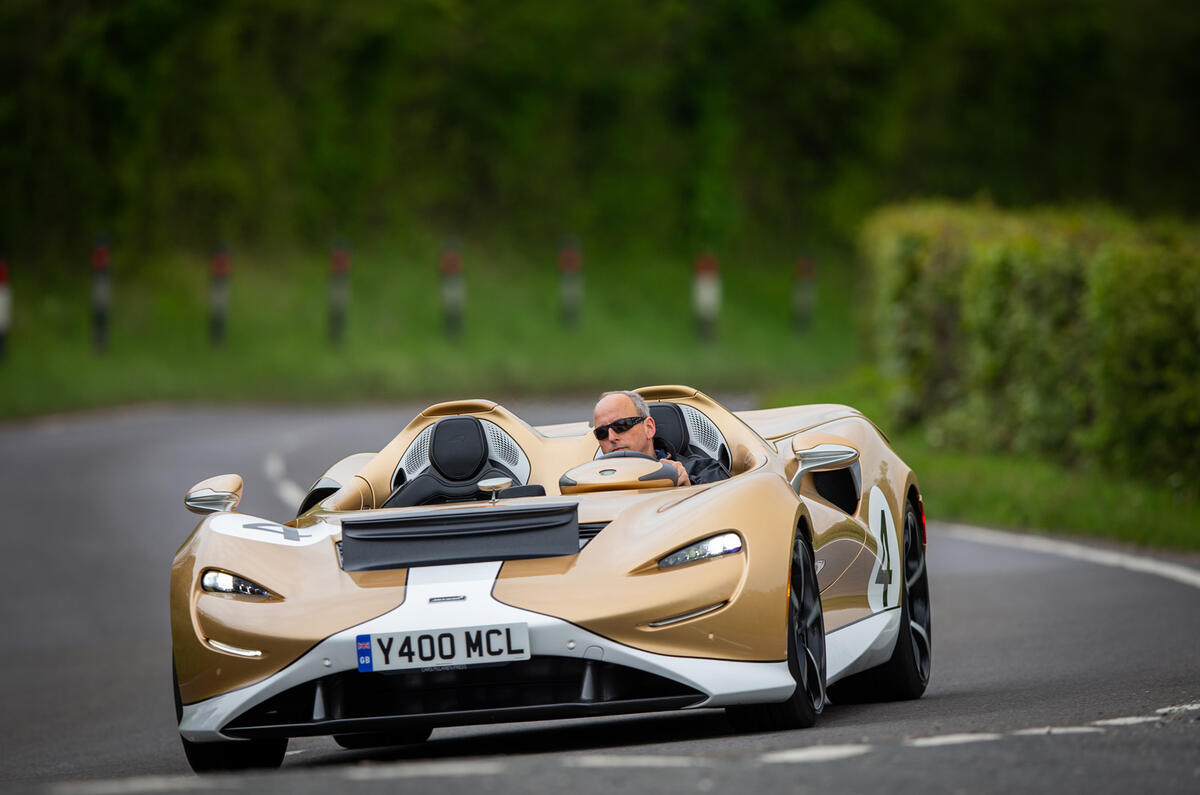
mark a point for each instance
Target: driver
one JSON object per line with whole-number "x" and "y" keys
{"x": 622, "y": 421}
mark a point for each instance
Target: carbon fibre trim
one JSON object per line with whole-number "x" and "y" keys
{"x": 435, "y": 538}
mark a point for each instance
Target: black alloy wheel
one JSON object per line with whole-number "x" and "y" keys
{"x": 234, "y": 754}
{"x": 806, "y": 654}
{"x": 228, "y": 754}
{"x": 806, "y": 648}
{"x": 918, "y": 615}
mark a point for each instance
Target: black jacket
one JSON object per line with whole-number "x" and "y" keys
{"x": 700, "y": 468}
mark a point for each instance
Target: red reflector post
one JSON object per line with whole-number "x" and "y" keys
{"x": 570, "y": 267}
{"x": 101, "y": 293}
{"x": 706, "y": 294}
{"x": 5, "y": 305}
{"x": 454, "y": 290}
{"x": 339, "y": 292}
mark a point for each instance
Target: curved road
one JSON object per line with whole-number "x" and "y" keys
{"x": 1051, "y": 673}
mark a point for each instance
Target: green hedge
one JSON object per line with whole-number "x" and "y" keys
{"x": 1072, "y": 334}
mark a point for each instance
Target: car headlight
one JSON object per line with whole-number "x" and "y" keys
{"x": 216, "y": 581}
{"x": 714, "y": 547}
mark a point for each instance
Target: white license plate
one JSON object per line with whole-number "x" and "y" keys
{"x": 438, "y": 648}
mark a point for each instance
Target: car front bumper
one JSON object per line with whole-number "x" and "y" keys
{"x": 571, "y": 673}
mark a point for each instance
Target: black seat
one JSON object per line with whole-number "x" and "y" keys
{"x": 671, "y": 428}
{"x": 458, "y": 460}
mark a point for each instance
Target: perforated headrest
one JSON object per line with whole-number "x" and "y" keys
{"x": 669, "y": 425}
{"x": 458, "y": 448}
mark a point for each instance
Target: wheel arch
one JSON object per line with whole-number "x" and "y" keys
{"x": 912, "y": 494}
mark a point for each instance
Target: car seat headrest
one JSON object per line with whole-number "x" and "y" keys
{"x": 670, "y": 426}
{"x": 458, "y": 448}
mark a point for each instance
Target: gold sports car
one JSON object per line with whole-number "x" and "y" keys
{"x": 478, "y": 569}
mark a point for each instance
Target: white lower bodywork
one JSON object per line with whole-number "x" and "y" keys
{"x": 861, "y": 645}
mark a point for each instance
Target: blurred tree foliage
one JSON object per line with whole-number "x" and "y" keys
{"x": 679, "y": 124}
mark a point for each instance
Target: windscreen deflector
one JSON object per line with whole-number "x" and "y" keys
{"x": 435, "y": 538}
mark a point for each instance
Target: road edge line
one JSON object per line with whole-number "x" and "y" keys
{"x": 1068, "y": 549}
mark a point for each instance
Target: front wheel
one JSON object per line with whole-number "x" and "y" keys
{"x": 229, "y": 754}
{"x": 234, "y": 754}
{"x": 806, "y": 655}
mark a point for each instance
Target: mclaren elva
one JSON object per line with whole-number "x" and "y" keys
{"x": 478, "y": 569}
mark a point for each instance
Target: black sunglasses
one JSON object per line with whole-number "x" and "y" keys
{"x": 620, "y": 426}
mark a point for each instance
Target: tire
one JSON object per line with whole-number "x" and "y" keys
{"x": 806, "y": 655}
{"x": 234, "y": 754}
{"x": 229, "y": 754}
{"x": 356, "y": 742}
{"x": 906, "y": 673}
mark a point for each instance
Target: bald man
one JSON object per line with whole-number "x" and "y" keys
{"x": 622, "y": 421}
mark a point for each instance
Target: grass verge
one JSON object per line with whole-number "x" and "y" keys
{"x": 1021, "y": 492}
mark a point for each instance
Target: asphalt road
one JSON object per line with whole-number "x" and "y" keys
{"x": 1049, "y": 672}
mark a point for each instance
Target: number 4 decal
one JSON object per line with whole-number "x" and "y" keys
{"x": 884, "y": 577}
{"x": 883, "y": 589}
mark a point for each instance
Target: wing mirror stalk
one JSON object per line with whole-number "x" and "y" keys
{"x": 823, "y": 456}
{"x": 220, "y": 493}
{"x": 494, "y": 486}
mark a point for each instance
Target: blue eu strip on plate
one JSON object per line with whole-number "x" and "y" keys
{"x": 363, "y": 645}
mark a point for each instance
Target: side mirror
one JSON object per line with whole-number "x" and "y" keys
{"x": 822, "y": 456}
{"x": 494, "y": 486}
{"x": 220, "y": 493}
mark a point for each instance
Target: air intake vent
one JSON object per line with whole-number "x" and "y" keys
{"x": 588, "y": 531}
{"x": 536, "y": 689}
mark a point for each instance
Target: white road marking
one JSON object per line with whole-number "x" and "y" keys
{"x": 273, "y": 466}
{"x": 121, "y": 786}
{"x": 610, "y": 761}
{"x": 1195, "y": 705}
{"x": 1132, "y": 720}
{"x": 293, "y": 753}
{"x": 1067, "y": 549}
{"x": 288, "y": 492}
{"x": 423, "y": 769}
{"x": 815, "y": 753}
{"x": 1049, "y": 730}
{"x": 291, "y": 494}
{"x": 953, "y": 739}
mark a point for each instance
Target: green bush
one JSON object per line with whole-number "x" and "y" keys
{"x": 1066, "y": 333}
{"x": 1144, "y": 307}
{"x": 919, "y": 256}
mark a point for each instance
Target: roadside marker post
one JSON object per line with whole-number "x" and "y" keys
{"x": 218, "y": 294}
{"x": 570, "y": 268}
{"x": 339, "y": 293}
{"x": 101, "y": 294}
{"x": 5, "y": 306}
{"x": 454, "y": 291}
{"x": 804, "y": 292}
{"x": 706, "y": 295}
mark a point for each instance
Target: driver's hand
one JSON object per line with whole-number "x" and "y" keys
{"x": 683, "y": 479}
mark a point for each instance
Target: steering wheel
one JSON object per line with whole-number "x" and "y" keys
{"x": 621, "y": 469}
{"x": 627, "y": 454}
